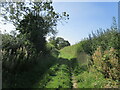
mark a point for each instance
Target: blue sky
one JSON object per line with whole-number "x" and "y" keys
{"x": 85, "y": 17}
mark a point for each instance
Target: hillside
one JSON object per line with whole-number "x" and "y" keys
{"x": 69, "y": 52}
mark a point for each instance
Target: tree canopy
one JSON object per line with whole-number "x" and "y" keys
{"x": 33, "y": 20}
{"x": 59, "y": 42}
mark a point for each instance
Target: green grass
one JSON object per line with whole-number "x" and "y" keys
{"x": 90, "y": 80}
{"x": 84, "y": 76}
{"x": 61, "y": 78}
{"x": 53, "y": 72}
{"x": 94, "y": 79}
{"x": 69, "y": 52}
{"x": 57, "y": 76}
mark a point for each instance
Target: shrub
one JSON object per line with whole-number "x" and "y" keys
{"x": 107, "y": 62}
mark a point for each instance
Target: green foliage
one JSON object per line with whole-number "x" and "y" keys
{"x": 52, "y": 40}
{"x": 107, "y": 62}
{"x": 34, "y": 29}
{"x": 103, "y": 46}
{"x": 15, "y": 11}
{"x": 91, "y": 80}
{"x": 99, "y": 51}
{"x": 61, "y": 79}
{"x": 21, "y": 52}
{"x": 52, "y": 50}
{"x": 59, "y": 42}
{"x": 105, "y": 38}
{"x": 33, "y": 20}
{"x": 58, "y": 76}
{"x": 14, "y": 53}
{"x": 26, "y": 59}
{"x": 25, "y": 79}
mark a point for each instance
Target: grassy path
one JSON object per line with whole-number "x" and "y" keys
{"x": 58, "y": 76}
{"x": 70, "y": 55}
{"x": 61, "y": 74}
{"x": 70, "y": 73}
{"x": 74, "y": 81}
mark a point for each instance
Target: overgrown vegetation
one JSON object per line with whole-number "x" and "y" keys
{"x": 26, "y": 55}
{"x": 29, "y": 61}
{"x": 58, "y": 42}
{"x": 97, "y": 59}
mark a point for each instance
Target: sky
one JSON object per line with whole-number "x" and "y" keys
{"x": 85, "y": 17}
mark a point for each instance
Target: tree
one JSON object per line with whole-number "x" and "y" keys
{"x": 33, "y": 28}
{"x": 34, "y": 20}
{"x": 59, "y": 42}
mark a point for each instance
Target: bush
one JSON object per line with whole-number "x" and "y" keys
{"x": 107, "y": 62}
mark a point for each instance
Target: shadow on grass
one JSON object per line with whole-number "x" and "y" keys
{"x": 51, "y": 74}
{"x": 30, "y": 75}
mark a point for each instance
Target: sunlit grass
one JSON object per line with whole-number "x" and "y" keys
{"x": 69, "y": 52}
